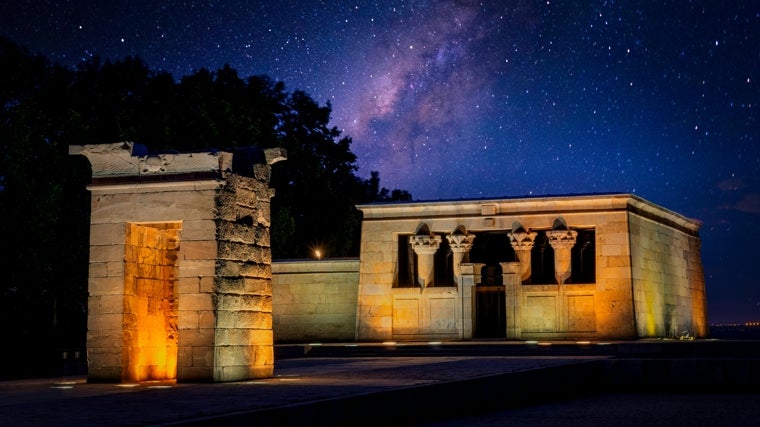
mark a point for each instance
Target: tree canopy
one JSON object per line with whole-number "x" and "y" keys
{"x": 44, "y": 206}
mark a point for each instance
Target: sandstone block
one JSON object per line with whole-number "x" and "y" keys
{"x": 198, "y": 250}
{"x": 198, "y": 229}
{"x": 107, "y": 253}
{"x": 196, "y": 302}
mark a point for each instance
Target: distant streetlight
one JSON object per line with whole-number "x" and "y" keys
{"x": 318, "y": 253}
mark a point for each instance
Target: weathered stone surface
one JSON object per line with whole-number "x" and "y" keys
{"x": 244, "y": 252}
{"x": 254, "y": 270}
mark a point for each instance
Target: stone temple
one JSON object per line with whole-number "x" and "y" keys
{"x": 581, "y": 267}
{"x": 182, "y": 285}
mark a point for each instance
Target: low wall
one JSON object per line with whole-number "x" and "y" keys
{"x": 315, "y": 300}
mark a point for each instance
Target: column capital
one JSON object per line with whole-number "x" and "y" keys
{"x": 562, "y": 239}
{"x": 460, "y": 242}
{"x": 522, "y": 240}
{"x": 425, "y": 244}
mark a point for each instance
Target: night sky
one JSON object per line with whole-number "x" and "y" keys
{"x": 460, "y": 99}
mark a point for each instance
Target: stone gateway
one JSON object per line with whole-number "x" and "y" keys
{"x": 180, "y": 264}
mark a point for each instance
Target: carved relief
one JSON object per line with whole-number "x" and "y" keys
{"x": 155, "y": 163}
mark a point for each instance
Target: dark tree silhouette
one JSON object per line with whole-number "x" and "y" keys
{"x": 44, "y": 206}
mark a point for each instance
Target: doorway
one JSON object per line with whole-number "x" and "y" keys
{"x": 150, "y": 329}
{"x": 490, "y": 304}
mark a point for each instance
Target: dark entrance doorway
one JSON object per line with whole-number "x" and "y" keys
{"x": 490, "y": 312}
{"x": 490, "y": 304}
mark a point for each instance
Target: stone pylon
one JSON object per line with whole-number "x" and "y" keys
{"x": 180, "y": 264}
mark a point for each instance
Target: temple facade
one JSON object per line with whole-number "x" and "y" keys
{"x": 611, "y": 266}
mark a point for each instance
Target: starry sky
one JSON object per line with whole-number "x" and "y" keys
{"x": 472, "y": 99}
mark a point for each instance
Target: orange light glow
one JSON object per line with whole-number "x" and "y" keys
{"x": 150, "y": 302}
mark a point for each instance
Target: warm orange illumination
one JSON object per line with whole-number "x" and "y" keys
{"x": 650, "y": 322}
{"x": 150, "y": 302}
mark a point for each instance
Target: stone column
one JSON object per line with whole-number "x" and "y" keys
{"x": 562, "y": 242}
{"x": 478, "y": 272}
{"x": 522, "y": 242}
{"x": 425, "y": 246}
{"x": 468, "y": 299}
{"x": 460, "y": 245}
{"x": 513, "y": 294}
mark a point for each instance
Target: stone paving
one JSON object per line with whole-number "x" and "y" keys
{"x": 421, "y": 386}
{"x": 73, "y": 402}
{"x": 626, "y": 410}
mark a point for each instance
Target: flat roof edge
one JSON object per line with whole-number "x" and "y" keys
{"x": 600, "y": 202}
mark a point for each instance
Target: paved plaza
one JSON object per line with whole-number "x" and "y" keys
{"x": 512, "y": 384}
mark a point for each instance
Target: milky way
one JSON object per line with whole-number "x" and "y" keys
{"x": 461, "y": 99}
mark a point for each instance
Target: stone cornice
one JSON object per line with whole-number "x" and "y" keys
{"x": 495, "y": 207}
{"x": 649, "y": 210}
{"x": 134, "y": 186}
{"x": 125, "y": 163}
{"x": 122, "y": 159}
{"x": 516, "y": 207}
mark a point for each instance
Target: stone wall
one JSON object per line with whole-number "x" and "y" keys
{"x": 315, "y": 300}
{"x": 668, "y": 281}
